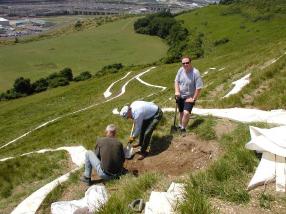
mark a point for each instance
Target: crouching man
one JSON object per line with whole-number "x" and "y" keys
{"x": 146, "y": 116}
{"x": 107, "y": 159}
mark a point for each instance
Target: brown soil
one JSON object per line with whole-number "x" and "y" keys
{"x": 180, "y": 155}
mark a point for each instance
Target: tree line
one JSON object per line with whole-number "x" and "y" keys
{"x": 23, "y": 87}
{"x": 164, "y": 25}
{"x": 180, "y": 40}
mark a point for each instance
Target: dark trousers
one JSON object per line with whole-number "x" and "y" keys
{"x": 147, "y": 129}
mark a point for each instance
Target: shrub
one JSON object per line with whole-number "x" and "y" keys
{"x": 113, "y": 68}
{"x": 22, "y": 86}
{"x": 40, "y": 85}
{"x": 58, "y": 81}
{"x": 83, "y": 76}
{"x": 66, "y": 73}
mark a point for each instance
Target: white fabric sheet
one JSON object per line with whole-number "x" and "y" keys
{"x": 165, "y": 202}
{"x": 272, "y": 143}
{"x": 94, "y": 198}
{"x": 277, "y": 116}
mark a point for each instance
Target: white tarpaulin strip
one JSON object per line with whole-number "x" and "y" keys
{"x": 238, "y": 85}
{"x": 94, "y": 198}
{"x": 77, "y": 153}
{"x": 277, "y": 116}
{"x": 33, "y": 202}
{"x": 265, "y": 172}
{"x": 280, "y": 174}
{"x": 165, "y": 202}
{"x": 272, "y": 143}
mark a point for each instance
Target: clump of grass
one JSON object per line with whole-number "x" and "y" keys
{"x": 129, "y": 188}
{"x": 204, "y": 127}
{"x": 265, "y": 200}
{"x": 196, "y": 201}
{"x": 226, "y": 178}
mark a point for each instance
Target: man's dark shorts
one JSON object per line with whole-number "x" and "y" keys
{"x": 183, "y": 105}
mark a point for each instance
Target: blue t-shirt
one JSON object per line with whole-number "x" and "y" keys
{"x": 188, "y": 82}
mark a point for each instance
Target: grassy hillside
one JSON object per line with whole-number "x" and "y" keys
{"x": 87, "y": 50}
{"x": 234, "y": 43}
{"x": 252, "y": 44}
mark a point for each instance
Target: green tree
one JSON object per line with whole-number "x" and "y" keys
{"x": 22, "y": 86}
{"x": 40, "y": 85}
{"x": 83, "y": 76}
{"x": 66, "y": 73}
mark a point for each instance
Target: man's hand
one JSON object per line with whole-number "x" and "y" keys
{"x": 177, "y": 95}
{"x": 190, "y": 100}
{"x": 131, "y": 139}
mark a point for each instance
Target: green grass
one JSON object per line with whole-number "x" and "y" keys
{"x": 251, "y": 45}
{"x": 58, "y": 192}
{"x": 129, "y": 189}
{"x": 87, "y": 50}
{"x": 226, "y": 178}
{"x": 203, "y": 127}
{"x": 17, "y": 180}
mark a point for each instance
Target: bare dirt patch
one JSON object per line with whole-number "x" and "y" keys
{"x": 181, "y": 155}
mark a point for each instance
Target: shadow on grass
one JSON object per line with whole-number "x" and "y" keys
{"x": 97, "y": 181}
{"x": 196, "y": 123}
{"x": 160, "y": 144}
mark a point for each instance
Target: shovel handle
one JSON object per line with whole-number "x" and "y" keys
{"x": 175, "y": 117}
{"x": 132, "y": 129}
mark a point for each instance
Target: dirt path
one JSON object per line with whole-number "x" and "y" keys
{"x": 176, "y": 156}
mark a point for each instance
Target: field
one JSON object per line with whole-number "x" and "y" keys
{"x": 216, "y": 183}
{"x": 87, "y": 50}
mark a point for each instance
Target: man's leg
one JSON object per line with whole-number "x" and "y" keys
{"x": 185, "y": 119}
{"x": 186, "y": 114}
{"x": 149, "y": 131}
{"x": 92, "y": 162}
{"x": 143, "y": 130}
{"x": 181, "y": 102}
{"x": 181, "y": 119}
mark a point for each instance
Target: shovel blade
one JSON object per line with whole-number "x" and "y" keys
{"x": 128, "y": 151}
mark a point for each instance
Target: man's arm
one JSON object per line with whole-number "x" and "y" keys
{"x": 97, "y": 150}
{"x": 177, "y": 89}
{"x": 197, "y": 94}
{"x": 138, "y": 125}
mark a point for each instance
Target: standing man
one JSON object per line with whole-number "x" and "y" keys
{"x": 146, "y": 116}
{"x": 107, "y": 159}
{"x": 188, "y": 84}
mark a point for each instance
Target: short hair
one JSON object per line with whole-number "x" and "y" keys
{"x": 186, "y": 57}
{"x": 110, "y": 128}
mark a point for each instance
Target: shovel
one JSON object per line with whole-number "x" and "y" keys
{"x": 174, "y": 127}
{"x": 128, "y": 150}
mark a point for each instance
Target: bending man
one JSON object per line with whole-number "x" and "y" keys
{"x": 188, "y": 84}
{"x": 107, "y": 159}
{"x": 146, "y": 116}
